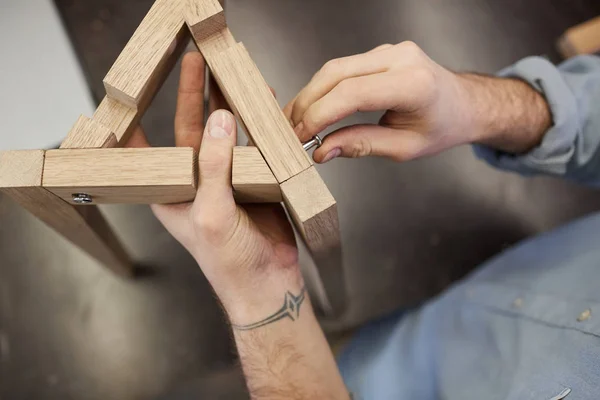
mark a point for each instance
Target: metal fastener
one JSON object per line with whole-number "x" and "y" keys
{"x": 82, "y": 198}
{"x": 314, "y": 142}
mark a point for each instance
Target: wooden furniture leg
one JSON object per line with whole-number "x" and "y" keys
{"x": 21, "y": 179}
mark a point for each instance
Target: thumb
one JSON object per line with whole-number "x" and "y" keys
{"x": 216, "y": 155}
{"x": 371, "y": 140}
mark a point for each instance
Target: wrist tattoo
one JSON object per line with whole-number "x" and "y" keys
{"x": 290, "y": 309}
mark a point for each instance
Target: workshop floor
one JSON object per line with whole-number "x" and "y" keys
{"x": 70, "y": 330}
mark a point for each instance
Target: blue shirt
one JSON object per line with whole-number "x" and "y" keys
{"x": 526, "y": 324}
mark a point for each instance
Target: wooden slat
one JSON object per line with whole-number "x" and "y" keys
{"x": 163, "y": 175}
{"x": 89, "y": 134}
{"x": 151, "y": 175}
{"x": 246, "y": 91}
{"x": 251, "y": 178}
{"x": 148, "y": 56}
{"x": 118, "y": 118}
{"x": 314, "y": 211}
{"x": 581, "y": 39}
{"x": 21, "y": 178}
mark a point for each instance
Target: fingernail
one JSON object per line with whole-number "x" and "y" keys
{"x": 220, "y": 124}
{"x": 332, "y": 154}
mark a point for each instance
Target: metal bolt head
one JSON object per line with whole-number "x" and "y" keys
{"x": 314, "y": 142}
{"x": 82, "y": 198}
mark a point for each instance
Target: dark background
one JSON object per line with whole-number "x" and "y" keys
{"x": 70, "y": 330}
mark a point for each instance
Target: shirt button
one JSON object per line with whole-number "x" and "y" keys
{"x": 584, "y": 316}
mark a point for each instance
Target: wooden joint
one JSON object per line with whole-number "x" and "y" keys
{"x": 150, "y": 175}
{"x": 146, "y": 175}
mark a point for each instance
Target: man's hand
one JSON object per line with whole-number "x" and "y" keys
{"x": 250, "y": 258}
{"x": 427, "y": 108}
{"x": 236, "y": 248}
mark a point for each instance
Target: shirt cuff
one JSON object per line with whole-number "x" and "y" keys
{"x": 556, "y": 150}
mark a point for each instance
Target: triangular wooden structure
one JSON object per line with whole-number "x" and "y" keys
{"x": 61, "y": 187}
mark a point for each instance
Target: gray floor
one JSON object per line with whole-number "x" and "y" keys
{"x": 70, "y": 330}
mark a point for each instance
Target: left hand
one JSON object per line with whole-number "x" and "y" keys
{"x": 239, "y": 249}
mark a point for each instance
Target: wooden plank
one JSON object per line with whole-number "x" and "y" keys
{"x": 162, "y": 175}
{"x": 251, "y": 178}
{"x": 118, "y": 118}
{"x": 21, "y": 178}
{"x": 581, "y": 39}
{"x": 314, "y": 212}
{"x": 151, "y": 175}
{"x": 149, "y": 55}
{"x": 244, "y": 88}
{"x": 87, "y": 133}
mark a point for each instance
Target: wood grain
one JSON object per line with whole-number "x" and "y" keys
{"x": 87, "y": 133}
{"x": 314, "y": 212}
{"x": 148, "y": 56}
{"x": 251, "y": 178}
{"x": 581, "y": 39}
{"x": 21, "y": 179}
{"x": 118, "y": 118}
{"x": 151, "y": 175}
{"x": 246, "y": 91}
{"x": 146, "y": 175}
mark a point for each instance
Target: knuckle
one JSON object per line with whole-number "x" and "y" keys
{"x": 210, "y": 166}
{"x": 209, "y": 227}
{"x": 409, "y": 47}
{"x": 331, "y": 66}
{"x": 360, "y": 148}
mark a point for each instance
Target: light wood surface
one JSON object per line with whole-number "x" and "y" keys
{"x": 251, "y": 178}
{"x": 151, "y": 175}
{"x": 581, "y": 39}
{"x": 246, "y": 91}
{"x": 89, "y": 134}
{"x": 148, "y": 56}
{"x": 21, "y": 178}
{"x": 155, "y": 175}
{"x": 314, "y": 212}
{"x": 118, "y": 118}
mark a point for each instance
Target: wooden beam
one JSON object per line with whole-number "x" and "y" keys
{"x": 251, "y": 178}
{"x": 244, "y": 87}
{"x": 149, "y": 55}
{"x": 118, "y": 118}
{"x": 150, "y": 175}
{"x": 87, "y": 133}
{"x": 162, "y": 175}
{"x": 581, "y": 39}
{"x": 21, "y": 179}
{"x": 314, "y": 211}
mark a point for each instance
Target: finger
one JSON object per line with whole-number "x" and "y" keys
{"x": 371, "y": 140}
{"x": 138, "y": 138}
{"x": 333, "y": 73}
{"x": 364, "y": 93}
{"x": 189, "y": 116}
{"x": 215, "y": 158}
{"x": 216, "y": 99}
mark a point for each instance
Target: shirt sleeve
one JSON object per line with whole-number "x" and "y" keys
{"x": 571, "y": 147}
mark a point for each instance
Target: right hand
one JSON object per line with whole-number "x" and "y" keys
{"x": 426, "y": 106}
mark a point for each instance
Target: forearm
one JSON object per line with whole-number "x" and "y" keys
{"x": 567, "y": 126}
{"x": 283, "y": 351}
{"x": 507, "y": 114}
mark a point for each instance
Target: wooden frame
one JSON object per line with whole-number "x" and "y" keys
{"x": 90, "y": 166}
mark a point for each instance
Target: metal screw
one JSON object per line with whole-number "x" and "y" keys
{"x": 314, "y": 142}
{"x": 82, "y": 198}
